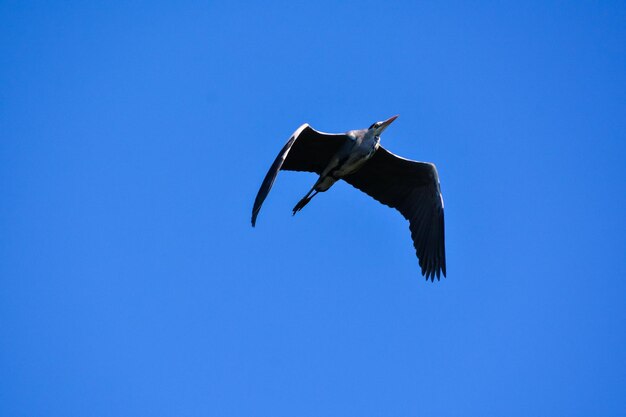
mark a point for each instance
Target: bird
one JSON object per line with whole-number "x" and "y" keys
{"x": 356, "y": 157}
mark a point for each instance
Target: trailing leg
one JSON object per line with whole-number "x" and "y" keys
{"x": 305, "y": 200}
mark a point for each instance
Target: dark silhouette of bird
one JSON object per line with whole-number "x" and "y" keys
{"x": 356, "y": 157}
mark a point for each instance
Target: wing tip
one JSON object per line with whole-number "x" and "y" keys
{"x": 255, "y": 213}
{"x": 429, "y": 271}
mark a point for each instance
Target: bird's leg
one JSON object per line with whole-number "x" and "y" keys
{"x": 305, "y": 200}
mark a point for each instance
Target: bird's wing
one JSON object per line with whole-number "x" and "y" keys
{"x": 412, "y": 188}
{"x": 306, "y": 150}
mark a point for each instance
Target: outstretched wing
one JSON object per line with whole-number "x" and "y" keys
{"x": 306, "y": 150}
{"x": 412, "y": 188}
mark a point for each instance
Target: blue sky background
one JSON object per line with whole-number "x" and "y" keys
{"x": 134, "y": 136}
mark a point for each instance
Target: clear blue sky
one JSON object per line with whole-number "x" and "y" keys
{"x": 133, "y": 139}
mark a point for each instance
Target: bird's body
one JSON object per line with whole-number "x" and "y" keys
{"x": 365, "y": 143}
{"x": 359, "y": 147}
{"x": 356, "y": 157}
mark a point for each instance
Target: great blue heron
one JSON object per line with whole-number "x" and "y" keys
{"x": 356, "y": 157}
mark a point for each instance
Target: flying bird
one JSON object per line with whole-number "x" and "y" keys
{"x": 356, "y": 157}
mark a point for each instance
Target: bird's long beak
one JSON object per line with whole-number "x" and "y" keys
{"x": 386, "y": 123}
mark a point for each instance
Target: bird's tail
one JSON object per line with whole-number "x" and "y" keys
{"x": 305, "y": 200}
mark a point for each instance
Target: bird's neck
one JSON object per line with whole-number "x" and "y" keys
{"x": 371, "y": 140}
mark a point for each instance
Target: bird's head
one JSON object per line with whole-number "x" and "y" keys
{"x": 379, "y": 127}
